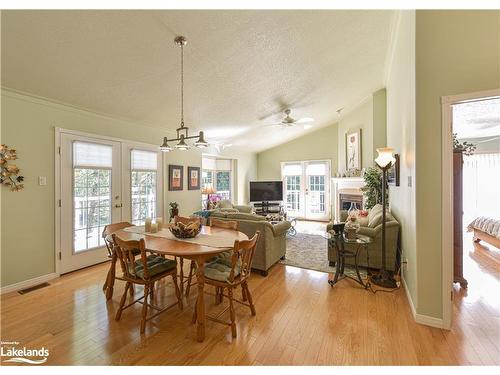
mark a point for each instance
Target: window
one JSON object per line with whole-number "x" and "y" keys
{"x": 218, "y": 174}
{"x": 92, "y": 165}
{"x": 223, "y": 184}
{"x": 143, "y": 185}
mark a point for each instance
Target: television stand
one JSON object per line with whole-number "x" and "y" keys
{"x": 266, "y": 208}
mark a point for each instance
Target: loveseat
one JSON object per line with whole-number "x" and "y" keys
{"x": 371, "y": 226}
{"x": 272, "y": 242}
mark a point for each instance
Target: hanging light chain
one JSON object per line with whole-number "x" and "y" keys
{"x": 182, "y": 85}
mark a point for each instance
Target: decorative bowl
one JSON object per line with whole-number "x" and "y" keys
{"x": 181, "y": 230}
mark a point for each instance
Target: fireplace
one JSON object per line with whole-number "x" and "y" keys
{"x": 346, "y": 190}
{"x": 346, "y": 199}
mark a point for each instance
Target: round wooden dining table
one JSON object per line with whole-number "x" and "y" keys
{"x": 188, "y": 250}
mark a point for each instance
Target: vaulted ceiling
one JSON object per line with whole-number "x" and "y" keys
{"x": 242, "y": 68}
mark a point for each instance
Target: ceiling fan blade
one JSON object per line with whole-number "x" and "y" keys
{"x": 304, "y": 120}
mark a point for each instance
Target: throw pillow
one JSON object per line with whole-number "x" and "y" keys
{"x": 225, "y": 203}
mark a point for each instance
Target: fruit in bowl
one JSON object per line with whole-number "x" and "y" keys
{"x": 181, "y": 230}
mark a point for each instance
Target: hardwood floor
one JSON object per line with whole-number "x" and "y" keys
{"x": 300, "y": 321}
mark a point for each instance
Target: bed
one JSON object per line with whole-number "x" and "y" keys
{"x": 486, "y": 229}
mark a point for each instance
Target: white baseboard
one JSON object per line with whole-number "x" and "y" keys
{"x": 28, "y": 283}
{"x": 420, "y": 318}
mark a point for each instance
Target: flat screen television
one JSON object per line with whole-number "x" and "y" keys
{"x": 265, "y": 191}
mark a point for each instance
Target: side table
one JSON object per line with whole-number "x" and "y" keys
{"x": 339, "y": 241}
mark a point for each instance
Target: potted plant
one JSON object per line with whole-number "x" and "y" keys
{"x": 464, "y": 147}
{"x": 173, "y": 210}
{"x": 373, "y": 187}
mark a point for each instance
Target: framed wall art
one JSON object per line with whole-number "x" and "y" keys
{"x": 393, "y": 172}
{"x": 193, "y": 178}
{"x": 353, "y": 150}
{"x": 175, "y": 177}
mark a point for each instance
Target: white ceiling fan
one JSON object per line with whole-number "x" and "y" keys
{"x": 289, "y": 121}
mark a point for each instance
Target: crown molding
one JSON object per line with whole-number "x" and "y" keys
{"x": 63, "y": 106}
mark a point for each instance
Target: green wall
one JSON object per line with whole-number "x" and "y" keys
{"x": 318, "y": 145}
{"x": 456, "y": 52}
{"x": 401, "y": 136}
{"x": 28, "y": 218}
{"x": 360, "y": 117}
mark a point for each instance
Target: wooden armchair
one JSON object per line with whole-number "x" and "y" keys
{"x": 111, "y": 276}
{"x": 229, "y": 274}
{"x": 144, "y": 271}
{"x": 227, "y": 224}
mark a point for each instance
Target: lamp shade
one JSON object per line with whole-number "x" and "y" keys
{"x": 201, "y": 143}
{"x": 165, "y": 147}
{"x": 208, "y": 189}
{"x": 182, "y": 145}
{"x": 385, "y": 157}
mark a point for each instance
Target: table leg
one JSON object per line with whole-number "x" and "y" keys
{"x": 337, "y": 265}
{"x": 181, "y": 275}
{"x": 200, "y": 302}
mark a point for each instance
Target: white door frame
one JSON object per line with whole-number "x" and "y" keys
{"x": 447, "y": 193}
{"x": 57, "y": 175}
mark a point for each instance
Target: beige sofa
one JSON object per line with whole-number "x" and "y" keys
{"x": 272, "y": 243}
{"x": 226, "y": 205}
{"x": 371, "y": 226}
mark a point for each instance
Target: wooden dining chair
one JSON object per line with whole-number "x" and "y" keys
{"x": 217, "y": 223}
{"x": 185, "y": 220}
{"x": 111, "y": 276}
{"x": 229, "y": 274}
{"x": 145, "y": 271}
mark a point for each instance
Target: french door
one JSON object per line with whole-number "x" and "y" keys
{"x": 307, "y": 189}
{"x": 101, "y": 182}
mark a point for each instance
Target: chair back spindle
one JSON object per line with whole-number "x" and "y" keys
{"x": 111, "y": 228}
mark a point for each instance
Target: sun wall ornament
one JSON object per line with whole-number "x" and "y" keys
{"x": 9, "y": 175}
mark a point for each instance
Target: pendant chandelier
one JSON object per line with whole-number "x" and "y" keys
{"x": 182, "y": 131}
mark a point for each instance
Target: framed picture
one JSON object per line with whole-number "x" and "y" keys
{"x": 175, "y": 177}
{"x": 193, "y": 178}
{"x": 353, "y": 150}
{"x": 393, "y": 172}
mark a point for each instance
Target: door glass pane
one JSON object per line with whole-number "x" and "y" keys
{"x": 91, "y": 206}
{"x": 143, "y": 196}
{"x": 317, "y": 194}
{"x": 292, "y": 198}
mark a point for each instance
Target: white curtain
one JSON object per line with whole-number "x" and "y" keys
{"x": 481, "y": 186}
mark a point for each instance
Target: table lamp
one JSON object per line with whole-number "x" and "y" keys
{"x": 208, "y": 189}
{"x": 385, "y": 160}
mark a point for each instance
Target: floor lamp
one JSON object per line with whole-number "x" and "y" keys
{"x": 384, "y": 161}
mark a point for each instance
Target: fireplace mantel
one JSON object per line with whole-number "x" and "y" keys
{"x": 349, "y": 185}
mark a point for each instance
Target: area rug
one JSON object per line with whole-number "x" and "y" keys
{"x": 310, "y": 251}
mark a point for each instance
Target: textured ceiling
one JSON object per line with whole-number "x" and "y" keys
{"x": 240, "y": 66}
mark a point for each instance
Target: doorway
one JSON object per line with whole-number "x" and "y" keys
{"x": 101, "y": 181}
{"x": 471, "y": 181}
{"x": 306, "y": 186}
